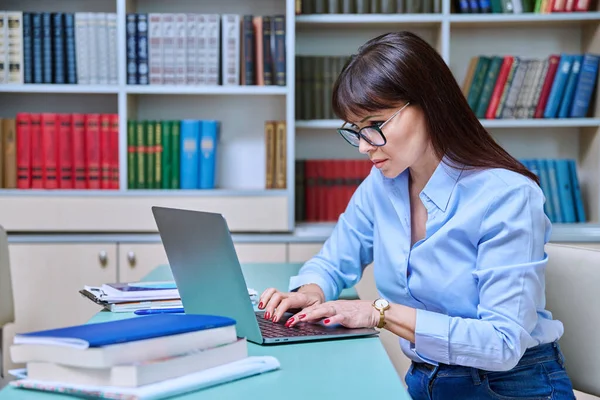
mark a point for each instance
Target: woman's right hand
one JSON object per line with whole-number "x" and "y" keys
{"x": 276, "y": 303}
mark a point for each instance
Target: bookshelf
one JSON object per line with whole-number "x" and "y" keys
{"x": 240, "y": 192}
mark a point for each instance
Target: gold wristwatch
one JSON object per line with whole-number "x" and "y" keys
{"x": 381, "y": 305}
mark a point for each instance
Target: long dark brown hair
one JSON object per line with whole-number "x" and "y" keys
{"x": 400, "y": 66}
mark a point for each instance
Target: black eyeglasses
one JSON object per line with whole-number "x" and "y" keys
{"x": 372, "y": 134}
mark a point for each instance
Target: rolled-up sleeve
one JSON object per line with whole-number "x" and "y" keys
{"x": 510, "y": 278}
{"x": 340, "y": 262}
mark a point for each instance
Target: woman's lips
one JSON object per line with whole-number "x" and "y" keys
{"x": 379, "y": 163}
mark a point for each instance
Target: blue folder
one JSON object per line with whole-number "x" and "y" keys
{"x": 126, "y": 330}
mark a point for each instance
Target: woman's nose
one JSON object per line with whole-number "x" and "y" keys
{"x": 364, "y": 147}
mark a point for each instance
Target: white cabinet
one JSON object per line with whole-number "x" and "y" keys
{"x": 301, "y": 252}
{"x": 47, "y": 279}
{"x": 137, "y": 259}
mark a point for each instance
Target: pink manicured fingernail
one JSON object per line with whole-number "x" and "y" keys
{"x": 301, "y": 316}
{"x": 275, "y": 319}
{"x": 289, "y": 322}
{"x": 327, "y": 321}
{"x": 260, "y": 305}
{"x": 267, "y": 315}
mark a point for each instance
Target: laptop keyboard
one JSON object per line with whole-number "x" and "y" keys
{"x": 271, "y": 330}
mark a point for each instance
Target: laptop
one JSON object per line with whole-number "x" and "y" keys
{"x": 209, "y": 278}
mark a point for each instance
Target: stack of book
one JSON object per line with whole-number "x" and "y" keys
{"x": 133, "y": 296}
{"x": 162, "y": 355}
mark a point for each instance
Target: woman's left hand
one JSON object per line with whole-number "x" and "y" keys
{"x": 349, "y": 313}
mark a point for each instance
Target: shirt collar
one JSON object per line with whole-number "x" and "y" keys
{"x": 440, "y": 186}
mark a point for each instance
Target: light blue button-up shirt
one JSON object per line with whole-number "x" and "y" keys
{"x": 476, "y": 279}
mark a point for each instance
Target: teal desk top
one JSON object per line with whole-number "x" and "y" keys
{"x": 336, "y": 369}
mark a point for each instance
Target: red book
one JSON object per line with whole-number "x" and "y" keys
{"x": 49, "y": 150}
{"x": 78, "y": 151}
{"x": 93, "y": 150}
{"x": 65, "y": 151}
{"x": 310, "y": 191}
{"x": 105, "y": 153}
{"x": 558, "y": 5}
{"x": 339, "y": 187}
{"x": 582, "y": 5}
{"x": 570, "y": 5}
{"x": 37, "y": 152}
{"x": 114, "y": 150}
{"x": 499, "y": 87}
{"x": 547, "y": 85}
{"x": 23, "y": 121}
{"x": 329, "y": 205}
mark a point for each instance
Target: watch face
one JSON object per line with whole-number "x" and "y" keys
{"x": 381, "y": 303}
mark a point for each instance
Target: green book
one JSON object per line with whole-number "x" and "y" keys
{"x": 175, "y": 154}
{"x": 488, "y": 86}
{"x": 158, "y": 149}
{"x": 140, "y": 151}
{"x": 149, "y": 154}
{"x": 131, "y": 155}
{"x": 166, "y": 154}
{"x": 478, "y": 80}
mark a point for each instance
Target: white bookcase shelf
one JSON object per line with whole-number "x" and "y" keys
{"x": 488, "y": 123}
{"x": 244, "y": 109}
{"x": 60, "y": 89}
{"x": 362, "y": 20}
{"x": 207, "y": 90}
{"x": 529, "y": 20}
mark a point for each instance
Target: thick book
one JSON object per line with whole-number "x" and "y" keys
{"x": 244, "y": 368}
{"x": 126, "y": 341}
{"x": 144, "y": 373}
{"x": 123, "y": 331}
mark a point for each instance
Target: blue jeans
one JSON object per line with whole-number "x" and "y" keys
{"x": 539, "y": 375}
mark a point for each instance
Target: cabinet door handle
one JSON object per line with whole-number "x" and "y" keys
{"x": 131, "y": 258}
{"x": 103, "y": 257}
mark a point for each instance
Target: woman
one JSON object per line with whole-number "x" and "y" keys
{"x": 454, "y": 226}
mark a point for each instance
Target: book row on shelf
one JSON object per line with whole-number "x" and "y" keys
{"x": 504, "y": 87}
{"x": 183, "y": 154}
{"x": 205, "y": 49}
{"x": 324, "y": 188}
{"x": 315, "y": 76}
{"x": 521, "y": 6}
{"x": 173, "y": 154}
{"x": 368, "y": 6}
{"x": 60, "y": 151}
{"x": 162, "y": 48}
{"x": 59, "y": 47}
{"x": 560, "y": 184}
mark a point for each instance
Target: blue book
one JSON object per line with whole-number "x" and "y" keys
{"x": 554, "y": 197}
{"x": 27, "y": 47}
{"x": 46, "y": 47}
{"x": 558, "y": 86}
{"x": 189, "y": 150}
{"x": 70, "y": 52}
{"x": 124, "y": 331}
{"x": 545, "y": 185}
{"x": 567, "y": 100}
{"x": 577, "y": 197}
{"x": 564, "y": 191}
{"x": 208, "y": 151}
{"x": 37, "y": 46}
{"x": 58, "y": 48}
{"x": 585, "y": 86}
